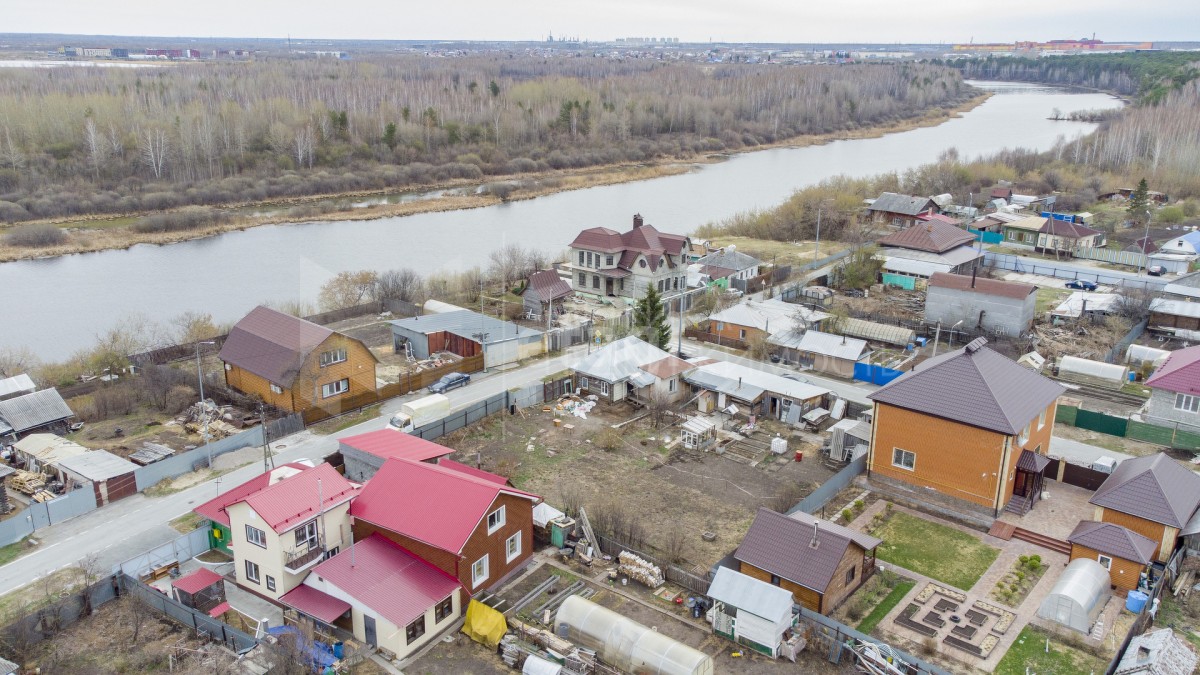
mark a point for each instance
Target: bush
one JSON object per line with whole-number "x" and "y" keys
{"x": 192, "y": 218}
{"x": 34, "y": 236}
{"x": 178, "y": 399}
{"x": 859, "y": 505}
{"x": 608, "y": 439}
{"x": 847, "y": 515}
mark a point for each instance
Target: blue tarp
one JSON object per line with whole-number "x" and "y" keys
{"x": 875, "y": 374}
{"x": 320, "y": 655}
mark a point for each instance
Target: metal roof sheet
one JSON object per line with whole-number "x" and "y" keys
{"x": 747, "y": 593}
{"x": 98, "y": 465}
{"x": 272, "y": 345}
{"x": 17, "y": 384}
{"x": 916, "y": 268}
{"x": 724, "y": 385}
{"x": 1112, "y": 539}
{"x": 935, "y": 236}
{"x": 1032, "y": 461}
{"x": 34, "y": 410}
{"x": 783, "y": 546}
{"x": 301, "y": 497}
{"x": 1015, "y": 290}
{"x": 729, "y": 259}
{"x": 827, "y": 344}
{"x": 215, "y": 508}
{"x": 879, "y": 332}
{"x": 317, "y": 604}
{"x": 389, "y": 443}
{"x": 197, "y": 581}
{"x": 49, "y": 448}
{"x": 973, "y": 385}
{"x": 1179, "y": 373}
{"x": 1152, "y": 487}
{"x": 618, "y": 360}
{"x": 890, "y": 202}
{"x": 547, "y": 286}
{"x": 776, "y": 384}
{"x": 770, "y": 316}
{"x": 467, "y": 324}
{"x": 1095, "y": 302}
{"x": 864, "y": 540}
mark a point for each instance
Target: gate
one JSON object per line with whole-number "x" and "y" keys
{"x": 1082, "y": 476}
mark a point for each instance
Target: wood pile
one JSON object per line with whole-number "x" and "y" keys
{"x": 42, "y": 496}
{"x": 640, "y": 570}
{"x": 27, "y": 482}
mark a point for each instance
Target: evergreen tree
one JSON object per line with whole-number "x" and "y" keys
{"x": 1139, "y": 203}
{"x": 650, "y": 319}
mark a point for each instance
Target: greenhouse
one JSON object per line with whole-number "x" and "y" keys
{"x": 626, "y": 644}
{"x": 1078, "y": 596}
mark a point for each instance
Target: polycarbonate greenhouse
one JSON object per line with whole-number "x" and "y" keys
{"x": 626, "y": 644}
{"x": 1078, "y": 596}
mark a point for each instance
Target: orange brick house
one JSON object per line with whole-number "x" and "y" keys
{"x": 970, "y": 425}
{"x": 1154, "y": 496}
{"x": 294, "y": 364}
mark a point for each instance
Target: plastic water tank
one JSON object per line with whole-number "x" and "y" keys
{"x": 1136, "y": 601}
{"x": 779, "y": 445}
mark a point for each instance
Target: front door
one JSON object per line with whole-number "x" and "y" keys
{"x": 369, "y": 630}
{"x": 608, "y": 287}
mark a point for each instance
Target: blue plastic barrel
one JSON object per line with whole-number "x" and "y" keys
{"x": 338, "y": 650}
{"x": 1136, "y": 601}
{"x": 1133, "y": 377}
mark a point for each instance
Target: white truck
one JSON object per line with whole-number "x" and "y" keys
{"x": 419, "y": 412}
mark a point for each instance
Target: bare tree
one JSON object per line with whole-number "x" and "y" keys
{"x": 97, "y": 147}
{"x": 16, "y": 360}
{"x": 153, "y": 145}
{"x": 347, "y": 289}
{"x": 400, "y": 284}
{"x": 1134, "y": 303}
{"x": 194, "y": 326}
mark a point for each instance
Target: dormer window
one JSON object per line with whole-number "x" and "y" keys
{"x": 642, "y": 262}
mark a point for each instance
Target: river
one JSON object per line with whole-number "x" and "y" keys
{"x": 59, "y": 305}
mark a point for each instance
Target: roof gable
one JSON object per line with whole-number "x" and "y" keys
{"x": 300, "y": 497}
{"x": 546, "y": 286}
{"x": 783, "y": 546}
{"x": 975, "y": 386}
{"x": 1112, "y": 539}
{"x": 215, "y": 508}
{"x": 430, "y": 503}
{"x": 272, "y": 345}
{"x": 619, "y": 360}
{"x": 935, "y": 236}
{"x": 1152, "y": 487}
{"x": 1179, "y": 373}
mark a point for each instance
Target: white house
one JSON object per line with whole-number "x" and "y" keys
{"x": 608, "y": 263}
{"x": 750, "y": 612}
{"x": 631, "y": 368}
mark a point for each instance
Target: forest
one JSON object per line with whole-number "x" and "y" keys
{"x": 1147, "y": 76}
{"x": 82, "y": 141}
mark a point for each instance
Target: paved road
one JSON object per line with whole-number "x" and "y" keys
{"x": 136, "y": 524}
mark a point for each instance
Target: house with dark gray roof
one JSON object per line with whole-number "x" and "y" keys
{"x": 1154, "y": 496}
{"x": 545, "y": 292}
{"x": 971, "y": 425}
{"x": 295, "y": 364}
{"x": 1157, "y": 652}
{"x": 899, "y": 210}
{"x": 729, "y": 263}
{"x": 1123, "y": 552}
{"x": 820, "y": 562}
{"x": 608, "y": 263}
{"x": 43, "y": 410}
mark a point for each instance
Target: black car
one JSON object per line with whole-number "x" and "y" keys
{"x": 448, "y": 382}
{"x": 1081, "y": 285}
{"x": 1155, "y": 270}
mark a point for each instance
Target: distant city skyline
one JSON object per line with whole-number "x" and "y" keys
{"x": 772, "y": 21}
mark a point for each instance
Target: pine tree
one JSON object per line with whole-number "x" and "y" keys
{"x": 650, "y": 319}
{"x": 1139, "y": 203}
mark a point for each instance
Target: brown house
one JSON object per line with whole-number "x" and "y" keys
{"x": 819, "y": 562}
{"x": 1154, "y": 496}
{"x": 469, "y": 524}
{"x": 900, "y": 210}
{"x": 1123, "y": 553}
{"x": 971, "y": 425}
{"x": 294, "y": 364}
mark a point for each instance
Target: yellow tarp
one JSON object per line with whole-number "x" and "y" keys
{"x": 484, "y": 624}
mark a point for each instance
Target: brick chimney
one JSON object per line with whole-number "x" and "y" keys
{"x": 637, "y": 220}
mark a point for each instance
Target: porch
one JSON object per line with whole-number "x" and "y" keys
{"x": 1058, "y": 513}
{"x": 1027, "y": 485}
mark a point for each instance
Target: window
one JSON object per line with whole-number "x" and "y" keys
{"x": 512, "y": 547}
{"x": 595, "y": 281}
{"x": 742, "y": 334}
{"x": 444, "y": 609}
{"x": 642, "y": 262}
{"x": 479, "y": 571}
{"x": 1042, "y": 419}
{"x": 671, "y": 384}
{"x": 334, "y": 356}
{"x": 776, "y": 580}
{"x": 256, "y": 536}
{"x": 720, "y": 325}
{"x": 270, "y": 583}
{"x": 904, "y": 459}
{"x": 414, "y": 630}
{"x": 583, "y": 383}
{"x": 306, "y": 534}
{"x": 603, "y": 387}
{"x": 335, "y": 388}
{"x": 850, "y": 575}
{"x": 589, "y": 259}
{"x": 1105, "y": 561}
{"x": 621, "y": 284}
{"x": 496, "y": 520}
{"x": 581, "y": 257}
{"x": 582, "y": 280}
{"x": 251, "y": 571}
{"x": 608, "y": 261}
{"x": 330, "y": 553}
{"x": 228, "y": 367}
{"x": 276, "y": 389}
{"x": 1188, "y": 403}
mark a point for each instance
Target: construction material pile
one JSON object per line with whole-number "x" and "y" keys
{"x": 575, "y": 405}
{"x": 642, "y": 571}
{"x": 218, "y": 421}
{"x": 27, "y": 482}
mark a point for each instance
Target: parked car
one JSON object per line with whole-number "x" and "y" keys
{"x": 448, "y": 382}
{"x": 1081, "y": 285}
{"x": 1156, "y": 270}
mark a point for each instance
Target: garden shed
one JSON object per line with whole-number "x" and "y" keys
{"x": 1079, "y": 595}
{"x": 750, "y": 612}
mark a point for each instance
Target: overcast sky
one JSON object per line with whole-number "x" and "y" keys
{"x": 887, "y": 21}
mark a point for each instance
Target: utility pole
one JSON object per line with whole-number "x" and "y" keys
{"x": 268, "y": 458}
{"x": 817, "y": 248}
{"x": 679, "y": 337}
{"x": 203, "y": 404}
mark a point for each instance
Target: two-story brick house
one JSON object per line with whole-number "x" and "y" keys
{"x": 470, "y": 525}
{"x": 608, "y": 263}
{"x": 278, "y": 532}
{"x": 970, "y": 425}
{"x": 294, "y": 364}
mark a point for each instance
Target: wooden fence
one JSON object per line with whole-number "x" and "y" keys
{"x": 673, "y": 573}
{"x": 407, "y": 383}
{"x": 704, "y": 336}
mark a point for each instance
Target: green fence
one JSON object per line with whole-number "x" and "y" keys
{"x": 900, "y": 281}
{"x": 1126, "y": 428}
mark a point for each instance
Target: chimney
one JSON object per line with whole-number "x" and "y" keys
{"x": 637, "y": 220}
{"x": 816, "y": 529}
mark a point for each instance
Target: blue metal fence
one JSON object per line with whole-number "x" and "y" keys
{"x": 821, "y": 496}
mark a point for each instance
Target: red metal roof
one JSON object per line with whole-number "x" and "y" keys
{"x": 546, "y": 286}
{"x": 642, "y": 239}
{"x": 219, "y": 610}
{"x": 299, "y": 498}
{"x": 428, "y": 502}
{"x": 197, "y": 581}
{"x": 214, "y": 509}
{"x": 317, "y": 604}
{"x": 472, "y": 471}
{"x": 1179, "y": 373}
{"x": 389, "y": 444}
{"x": 383, "y": 576}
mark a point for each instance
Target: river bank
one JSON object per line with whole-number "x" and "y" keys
{"x": 107, "y": 232}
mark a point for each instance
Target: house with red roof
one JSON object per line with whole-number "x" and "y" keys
{"x": 279, "y": 530}
{"x": 214, "y": 510}
{"x": 474, "y": 528}
{"x": 1175, "y": 390}
{"x": 364, "y": 454}
{"x": 608, "y": 263}
{"x": 383, "y": 594}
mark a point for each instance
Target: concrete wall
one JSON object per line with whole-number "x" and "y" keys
{"x": 951, "y": 305}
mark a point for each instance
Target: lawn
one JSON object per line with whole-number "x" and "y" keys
{"x": 871, "y": 620}
{"x": 187, "y": 522}
{"x": 937, "y": 551}
{"x": 14, "y": 550}
{"x": 1049, "y": 298}
{"x": 1028, "y": 655}
{"x": 781, "y": 252}
{"x": 343, "y": 422}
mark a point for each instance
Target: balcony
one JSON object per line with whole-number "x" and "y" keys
{"x": 300, "y": 559}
